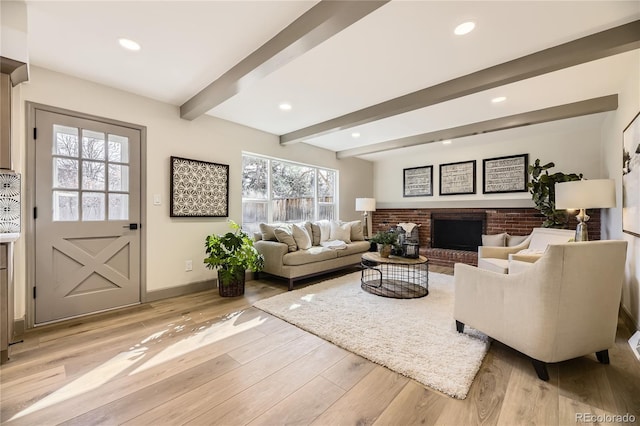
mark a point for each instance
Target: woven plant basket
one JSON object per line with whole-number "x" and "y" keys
{"x": 233, "y": 287}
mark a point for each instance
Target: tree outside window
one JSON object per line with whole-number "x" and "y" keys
{"x": 281, "y": 191}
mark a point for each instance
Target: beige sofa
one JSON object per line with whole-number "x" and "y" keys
{"x": 282, "y": 260}
{"x": 499, "y": 259}
{"x": 563, "y": 306}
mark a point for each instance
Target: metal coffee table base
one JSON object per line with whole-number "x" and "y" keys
{"x": 395, "y": 277}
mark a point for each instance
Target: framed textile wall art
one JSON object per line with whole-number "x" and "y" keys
{"x": 458, "y": 178}
{"x": 631, "y": 177}
{"x": 199, "y": 188}
{"x": 417, "y": 182}
{"x": 505, "y": 174}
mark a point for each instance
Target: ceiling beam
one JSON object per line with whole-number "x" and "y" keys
{"x": 318, "y": 24}
{"x": 561, "y": 112}
{"x": 596, "y": 46}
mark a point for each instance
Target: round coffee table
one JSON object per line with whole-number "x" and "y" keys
{"x": 395, "y": 276}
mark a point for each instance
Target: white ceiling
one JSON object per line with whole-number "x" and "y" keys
{"x": 402, "y": 47}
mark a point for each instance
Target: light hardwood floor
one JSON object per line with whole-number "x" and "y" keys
{"x": 200, "y": 359}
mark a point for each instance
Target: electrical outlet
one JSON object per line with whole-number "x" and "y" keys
{"x": 188, "y": 265}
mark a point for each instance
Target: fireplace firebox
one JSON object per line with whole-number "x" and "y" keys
{"x": 464, "y": 233}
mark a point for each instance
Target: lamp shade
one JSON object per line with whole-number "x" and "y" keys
{"x": 586, "y": 194}
{"x": 365, "y": 204}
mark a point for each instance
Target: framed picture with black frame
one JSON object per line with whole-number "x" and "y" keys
{"x": 458, "y": 178}
{"x": 505, "y": 174}
{"x": 631, "y": 177}
{"x": 199, "y": 188}
{"x": 417, "y": 182}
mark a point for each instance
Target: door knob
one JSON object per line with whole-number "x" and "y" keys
{"x": 132, "y": 226}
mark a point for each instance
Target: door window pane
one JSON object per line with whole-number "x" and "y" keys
{"x": 118, "y": 149}
{"x": 92, "y": 175}
{"x": 65, "y": 206}
{"x": 118, "y": 207}
{"x": 93, "y": 207}
{"x": 65, "y": 141}
{"x": 92, "y": 145}
{"x": 118, "y": 178}
{"x": 65, "y": 173}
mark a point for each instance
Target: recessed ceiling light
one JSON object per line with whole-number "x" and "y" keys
{"x": 129, "y": 44}
{"x": 355, "y": 135}
{"x": 285, "y": 106}
{"x": 464, "y": 28}
{"x": 499, "y": 99}
{"x": 446, "y": 142}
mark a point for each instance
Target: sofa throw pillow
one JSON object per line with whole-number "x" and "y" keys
{"x": 514, "y": 240}
{"x": 267, "y": 232}
{"x": 340, "y": 231}
{"x": 325, "y": 230}
{"x": 307, "y": 227}
{"x": 301, "y": 237}
{"x": 495, "y": 240}
{"x": 315, "y": 234}
{"x": 283, "y": 235}
{"x": 357, "y": 231}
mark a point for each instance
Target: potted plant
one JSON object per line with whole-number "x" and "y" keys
{"x": 542, "y": 189}
{"x": 385, "y": 241}
{"x": 232, "y": 254}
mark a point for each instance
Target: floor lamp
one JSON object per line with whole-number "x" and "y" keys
{"x": 365, "y": 205}
{"x": 585, "y": 194}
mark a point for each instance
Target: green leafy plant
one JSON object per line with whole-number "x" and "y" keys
{"x": 388, "y": 237}
{"x": 542, "y": 189}
{"x": 232, "y": 253}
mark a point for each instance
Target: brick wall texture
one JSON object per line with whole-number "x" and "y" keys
{"x": 515, "y": 221}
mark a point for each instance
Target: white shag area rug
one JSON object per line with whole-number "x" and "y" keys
{"x": 414, "y": 337}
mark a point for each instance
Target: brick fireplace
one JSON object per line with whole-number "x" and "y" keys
{"x": 515, "y": 221}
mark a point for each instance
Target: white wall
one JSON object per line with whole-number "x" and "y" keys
{"x": 628, "y": 107}
{"x": 171, "y": 241}
{"x": 573, "y": 145}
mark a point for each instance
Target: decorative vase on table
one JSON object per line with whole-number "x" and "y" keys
{"x": 385, "y": 242}
{"x": 385, "y": 250}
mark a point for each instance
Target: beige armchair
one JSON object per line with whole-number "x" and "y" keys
{"x": 563, "y": 306}
{"x": 498, "y": 259}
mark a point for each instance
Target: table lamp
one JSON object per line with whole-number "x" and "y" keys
{"x": 365, "y": 205}
{"x": 585, "y": 194}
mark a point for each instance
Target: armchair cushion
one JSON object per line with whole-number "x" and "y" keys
{"x": 497, "y": 259}
{"x": 495, "y": 240}
{"x": 542, "y": 237}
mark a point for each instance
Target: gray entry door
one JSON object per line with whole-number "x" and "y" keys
{"x": 88, "y": 216}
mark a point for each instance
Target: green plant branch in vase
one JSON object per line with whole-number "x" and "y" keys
{"x": 385, "y": 241}
{"x": 542, "y": 189}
